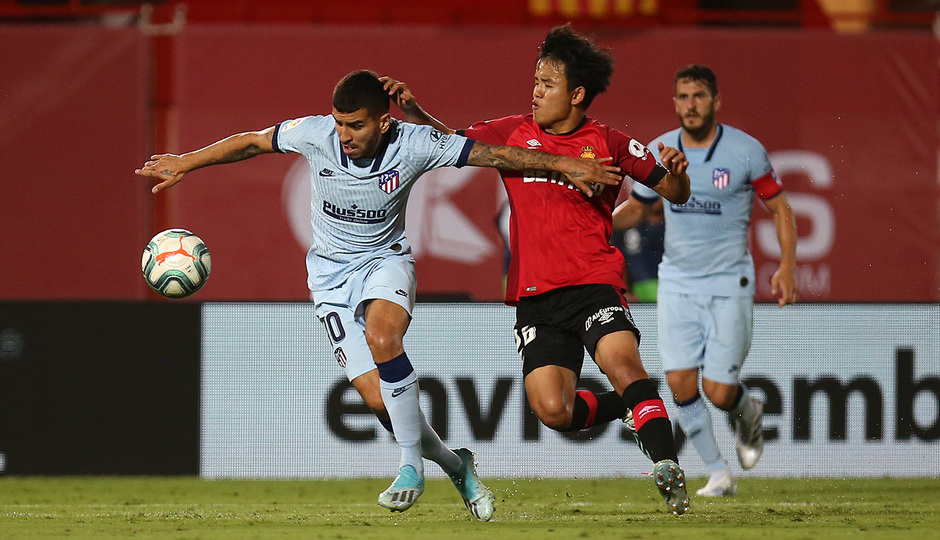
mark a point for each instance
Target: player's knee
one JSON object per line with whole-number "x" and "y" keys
{"x": 720, "y": 395}
{"x": 554, "y": 414}
{"x": 383, "y": 343}
{"x": 683, "y": 384}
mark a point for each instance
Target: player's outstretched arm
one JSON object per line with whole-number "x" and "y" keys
{"x": 631, "y": 213}
{"x": 783, "y": 282}
{"x": 170, "y": 168}
{"x": 406, "y": 101}
{"x": 580, "y": 172}
{"x": 675, "y": 186}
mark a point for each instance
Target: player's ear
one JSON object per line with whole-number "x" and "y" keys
{"x": 717, "y": 102}
{"x": 578, "y": 95}
{"x": 385, "y": 121}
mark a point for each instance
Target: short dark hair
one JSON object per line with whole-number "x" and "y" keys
{"x": 361, "y": 89}
{"x": 698, "y": 73}
{"x": 586, "y": 64}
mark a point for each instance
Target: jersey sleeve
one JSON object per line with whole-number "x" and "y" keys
{"x": 435, "y": 148}
{"x": 497, "y": 131}
{"x": 636, "y": 160}
{"x": 642, "y": 192}
{"x": 294, "y": 135}
{"x": 763, "y": 178}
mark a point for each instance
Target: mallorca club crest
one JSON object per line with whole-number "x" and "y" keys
{"x": 721, "y": 178}
{"x": 389, "y": 181}
{"x": 587, "y": 152}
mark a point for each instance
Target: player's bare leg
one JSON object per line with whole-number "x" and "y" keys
{"x": 386, "y": 323}
{"x": 693, "y": 415}
{"x": 618, "y": 355}
{"x": 746, "y": 414}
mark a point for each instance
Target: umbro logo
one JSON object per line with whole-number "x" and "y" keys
{"x": 326, "y": 172}
{"x": 533, "y": 143}
{"x": 400, "y": 292}
{"x": 401, "y": 390}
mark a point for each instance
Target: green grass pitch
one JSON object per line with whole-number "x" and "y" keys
{"x": 191, "y": 508}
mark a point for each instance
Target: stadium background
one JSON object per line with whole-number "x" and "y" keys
{"x": 98, "y": 375}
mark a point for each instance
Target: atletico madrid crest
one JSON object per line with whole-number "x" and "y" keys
{"x": 340, "y": 357}
{"x": 721, "y": 178}
{"x": 389, "y": 181}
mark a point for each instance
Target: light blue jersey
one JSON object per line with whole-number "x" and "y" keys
{"x": 358, "y": 206}
{"x": 706, "y": 250}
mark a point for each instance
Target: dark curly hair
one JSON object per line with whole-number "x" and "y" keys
{"x": 586, "y": 64}
{"x": 361, "y": 89}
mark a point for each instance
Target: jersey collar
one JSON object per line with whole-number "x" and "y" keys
{"x": 380, "y": 153}
{"x": 711, "y": 148}
{"x": 580, "y": 125}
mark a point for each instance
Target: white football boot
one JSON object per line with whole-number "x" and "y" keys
{"x": 477, "y": 497}
{"x": 720, "y": 484}
{"x": 749, "y": 433}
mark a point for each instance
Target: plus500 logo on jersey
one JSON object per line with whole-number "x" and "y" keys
{"x": 697, "y": 206}
{"x": 354, "y": 214}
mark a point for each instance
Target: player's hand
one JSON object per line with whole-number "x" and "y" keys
{"x": 674, "y": 160}
{"x": 166, "y": 167}
{"x": 399, "y": 92}
{"x": 783, "y": 287}
{"x": 590, "y": 175}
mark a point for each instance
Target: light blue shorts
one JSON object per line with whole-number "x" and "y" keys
{"x": 342, "y": 309}
{"x": 710, "y": 333}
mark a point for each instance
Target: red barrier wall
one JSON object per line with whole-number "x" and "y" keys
{"x": 73, "y": 125}
{"x": 850, "y": 121}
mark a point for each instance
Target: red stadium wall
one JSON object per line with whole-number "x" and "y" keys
{"x": 851, "y": 123}
{"x": 73, "y": 124}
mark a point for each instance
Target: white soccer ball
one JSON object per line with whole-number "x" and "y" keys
{"x": 176, "y": 263}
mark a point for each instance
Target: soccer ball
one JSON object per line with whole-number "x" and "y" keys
{"x": 176, "y": 263}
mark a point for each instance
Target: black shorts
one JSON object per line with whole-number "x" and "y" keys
{"x": 554, "y": 328}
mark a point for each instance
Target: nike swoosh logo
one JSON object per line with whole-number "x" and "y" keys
{"x": 401, "y": 390}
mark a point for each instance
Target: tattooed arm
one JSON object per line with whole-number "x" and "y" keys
{"x": 170, "y": 168}
{"x": 580, "y": 172}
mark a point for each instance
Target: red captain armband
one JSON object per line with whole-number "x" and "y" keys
{"x": 648, "y": 410}
{"x": 767, "y": 186}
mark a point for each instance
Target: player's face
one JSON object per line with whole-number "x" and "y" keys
{"x": 360, "y": 133}
{"x": 695, "y": 106}
{"x": 552, "y": 103}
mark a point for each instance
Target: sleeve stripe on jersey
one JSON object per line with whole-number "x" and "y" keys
{"x": 767, "y": 186}
{"x": 465, "y": 153}
{"x": 277, "y": 130}
{"x": 643, "y": 199}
